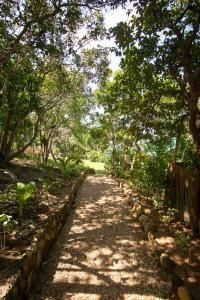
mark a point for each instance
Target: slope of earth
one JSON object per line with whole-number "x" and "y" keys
{"x": 52, "y": 190}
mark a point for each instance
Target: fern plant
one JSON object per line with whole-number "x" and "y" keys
{"x": 61, "y": 164}
{"x": 182, "y": 240}
{"x": 67, "y": 167}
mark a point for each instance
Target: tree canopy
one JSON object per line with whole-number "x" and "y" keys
{"x": 161, "y": 42}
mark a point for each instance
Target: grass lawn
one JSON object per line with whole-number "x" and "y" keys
{"x": 98, "y": 166}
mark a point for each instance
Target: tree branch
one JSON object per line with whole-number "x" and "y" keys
{"x": 7, "y": 51}
{"x": 174, "y": 74}
{"x": 21, "y": 150}
{"x": 192, "y": 36}
{"x": 197, "y": 74}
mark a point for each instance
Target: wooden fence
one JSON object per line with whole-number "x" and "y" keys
{"x": 183, "y": 193}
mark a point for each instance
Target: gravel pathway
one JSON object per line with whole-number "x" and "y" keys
{"x": 100, "y": 253}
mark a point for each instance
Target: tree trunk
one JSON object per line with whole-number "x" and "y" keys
{"x": 195, "y": 131}
{"x": 6, "y": 129}
{"x": 29, "y": 143}
{"x": 178, "y": 136}
{"x": 192, "y": 100}
{"x": 46, "y": 151}
{"x": 133, "y": 165}
{"x": 123, "y": 159}
{"x": 113, "y": 152}
{"x": 53, "y": 156}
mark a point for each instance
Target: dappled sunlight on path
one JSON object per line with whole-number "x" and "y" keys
{"x": 100, "y": 253}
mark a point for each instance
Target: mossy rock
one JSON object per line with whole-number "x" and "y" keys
{"x": 149, "y": 226}
{"x": 143, "y": 219}
{"x": 166, "y": 263}
{"x": 137, "y": 210}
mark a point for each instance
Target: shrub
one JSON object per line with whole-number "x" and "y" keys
{"x": 68, "y": 166}
{"x": 23, "y": 192}
{"x": 6, "y": 222}
{"x": 170, "y": 215}
{"x": 182, "y": 240}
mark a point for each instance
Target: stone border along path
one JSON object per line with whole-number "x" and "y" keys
{"x": 18, "y": 286}
{"x": 101, "y": 252}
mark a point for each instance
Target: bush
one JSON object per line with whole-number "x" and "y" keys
{"x": 96, "y": 156}
{"x": 68, "y": 166}
{"x": 170, "y": 215}
{"x": 23, "y": 192}
{"x": 182, "y": 240}
{"x": 6, "y": 222}
{"x": 149, "y": 170}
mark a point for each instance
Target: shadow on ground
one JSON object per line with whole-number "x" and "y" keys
{"x": 100, "y": 253}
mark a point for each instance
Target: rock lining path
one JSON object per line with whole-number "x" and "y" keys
{"x": 100, "y": 253}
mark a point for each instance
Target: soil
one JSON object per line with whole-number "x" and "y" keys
{"x": 101, "y": 252}
{"x": 51, "y": 191}
{"x": 185, "y": 252}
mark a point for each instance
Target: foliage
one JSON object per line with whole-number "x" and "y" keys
{"x": 3, "y": 197}
{"x": 45, "y": 66}
{"x": 169, "y": 215}
{"x": 68, "y": 167}
{"x": 48, "y": 185}
{"x": 146, "y": 111}
{"x": 6, "y": 222}
{"x": 93, "y": 155}
{"x": 99, "y": 167}
{"x": 61, "y": 164}
{"x": 168, "y": 51}
{"x": 140, "y": 127}
{"x": 157, "y": 201}
{"x": 96, "y": 156}
{"x": 182, "y": 240}
{"x": 23, "y": 192}
{"x": 150, "y": 168}
{"x": 42, "y": 25}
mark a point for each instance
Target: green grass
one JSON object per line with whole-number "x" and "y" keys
{"x": 98, "y": 166}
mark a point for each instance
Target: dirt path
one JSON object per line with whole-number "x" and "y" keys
{"x": 100, "y": 253}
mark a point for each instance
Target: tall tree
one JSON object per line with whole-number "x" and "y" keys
{"x": 37, "y": 38}
{"x": 46, "y": 25}
{"x": 167, "y": 34}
